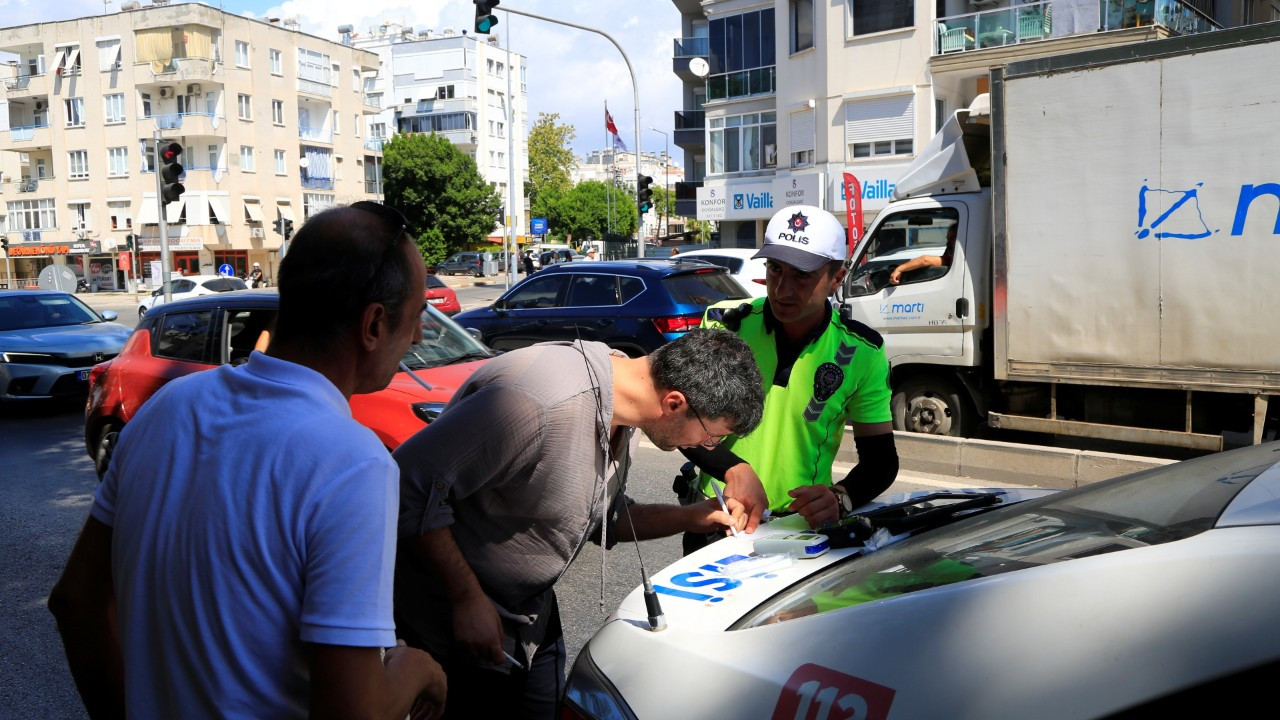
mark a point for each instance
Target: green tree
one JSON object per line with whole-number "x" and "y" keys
{"x": 443, "y": 196}
{"x": 583, "y": 212}
{"x": 664, "y": 205}
{"x": 699, "y": 230}
{"x": 550, "y": 161}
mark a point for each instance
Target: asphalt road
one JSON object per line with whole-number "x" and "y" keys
{"x": 46, "y": 487}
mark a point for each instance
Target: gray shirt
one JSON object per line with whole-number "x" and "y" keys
{"x": 519, "y": 466}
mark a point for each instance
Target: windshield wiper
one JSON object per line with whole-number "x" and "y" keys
{"x": 908, "y": 517}
{"x": 468, "y": 357}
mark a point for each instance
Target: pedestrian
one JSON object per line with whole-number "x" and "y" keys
{"x": 237, "y": 560}
{"x": 256, "y": 280}
{"x": 675, "y": 251}
{"x": 528, "y": 262}
{"x": 591, "y": 253}
{"x": 827, "y": 370}
{"x": 489, "y": 520}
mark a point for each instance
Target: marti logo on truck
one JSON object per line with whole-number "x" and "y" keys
{"x": 902, "y": 311}
{"x": 1183, "y": 219}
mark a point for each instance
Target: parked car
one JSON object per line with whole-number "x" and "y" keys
{"x": 49, "y": 341}
{"x": 552, "y": 257}
{"x": 634, "y": 306}
{"x": 747, "y": 271}
{"x": 442, "y": 297}
{"x": 190, "y": 286}
{"x": 463, "y": 263}
{"x": 1140, "y": 596}
{"x": 189, "y": 336}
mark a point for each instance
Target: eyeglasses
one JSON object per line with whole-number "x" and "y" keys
{"x": 711, "y": 440}
{"x": 387, "y": 214}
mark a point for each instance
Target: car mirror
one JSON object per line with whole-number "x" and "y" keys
{"x": 109, "y": 315}
{"x": 475, "y": 334}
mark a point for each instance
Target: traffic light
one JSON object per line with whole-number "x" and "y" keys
{"x": 170, "y": 171}
{"x": 485, "y": 19}
{"x": 4, "y": 242}
{"x": 278, "y": 226}
{"x": 128, "y": 242}
{"x": 288, "y": 228}
{"x": 644, "y": 194}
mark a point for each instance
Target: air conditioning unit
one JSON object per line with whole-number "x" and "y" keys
{"x": 166, "y": 92}
{"x": 193, "y": 89}
{"x": 255, "y": 232}
{"x": 39, "y": 105}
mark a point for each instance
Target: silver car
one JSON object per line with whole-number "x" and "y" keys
{"x": 49, "y": 341}
{"x": 1142, "y": 596}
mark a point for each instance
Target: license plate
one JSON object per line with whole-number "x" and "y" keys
{"x": 436, "y": 301}
{"x": 82, "y": 375}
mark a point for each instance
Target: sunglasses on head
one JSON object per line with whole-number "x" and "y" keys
{"x": 385, "y": 213}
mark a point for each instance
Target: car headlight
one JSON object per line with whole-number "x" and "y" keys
{"x": 589, "y": 694}
{"x": 21, "y": 357}
{"x": 427, "y": 411}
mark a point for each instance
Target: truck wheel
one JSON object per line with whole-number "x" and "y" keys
{"x": 932, "y": 405}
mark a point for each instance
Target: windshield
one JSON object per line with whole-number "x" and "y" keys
{"x": 18, "y": 312}
{"x": 701, "y": 287}
{"x": 1148, "y": 508}
{"x": 444, "y": 342}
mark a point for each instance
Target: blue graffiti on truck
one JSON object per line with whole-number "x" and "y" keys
{"x": 1183, "y": 219}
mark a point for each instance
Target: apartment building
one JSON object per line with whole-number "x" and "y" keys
{"x": 271, "y": 120}
{"x": 783, "y": 97}
{"x": 460, "y": 87}
{"x": 601, "y": 165}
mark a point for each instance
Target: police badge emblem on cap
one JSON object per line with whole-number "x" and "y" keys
{"x": 804, "y": 237}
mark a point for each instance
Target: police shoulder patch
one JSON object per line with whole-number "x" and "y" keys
{"x": 853, "y": 327}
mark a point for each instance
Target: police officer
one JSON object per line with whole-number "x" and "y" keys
{"x": 821, "y": 371}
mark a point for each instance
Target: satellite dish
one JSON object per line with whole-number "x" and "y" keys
{"x": 57, "y": 277}
{"x": 698, "y": 66}
{"x": 304, "y": 163}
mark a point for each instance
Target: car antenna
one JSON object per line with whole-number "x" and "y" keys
{"x": 411, "y": 374}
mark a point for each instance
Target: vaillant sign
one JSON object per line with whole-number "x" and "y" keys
{"x": 758, "y": 200}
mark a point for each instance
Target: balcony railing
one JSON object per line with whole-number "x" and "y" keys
{"x": 24, "y": 133}
{"x": 20, "y": 82}
{"x": 743, "y": 83}
{"x": 692, "y": 47}
{"x": 373, "y": 100}
{"x": 315, "y": 88}
{"x": 374, "y": 144}
{"x": 1033, "y": 21}
{"x": 173, "y": 121}
{"x": 316, "y": 134}
{"x": 687, "y": 190}
{"x": 317, "y": 183}
{"x": 373, "y": 187}
{"x": 691, "y": 119}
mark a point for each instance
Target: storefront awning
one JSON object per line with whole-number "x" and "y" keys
{"x": 253, "y": 211}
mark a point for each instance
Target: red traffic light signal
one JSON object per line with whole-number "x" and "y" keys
{"x": 170, "y": 170}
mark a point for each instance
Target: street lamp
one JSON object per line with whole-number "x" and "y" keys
{"x": 666, "y": 177}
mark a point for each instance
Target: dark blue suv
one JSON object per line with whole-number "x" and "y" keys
{"x": 635, "y": 306}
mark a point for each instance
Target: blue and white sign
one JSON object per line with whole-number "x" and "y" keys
{"x": 537, "y": 226}
{"x": 225, "y": 269}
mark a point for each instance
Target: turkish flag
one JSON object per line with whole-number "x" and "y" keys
{"x": 125, "y": 261}
{"x": 608, "y": 123}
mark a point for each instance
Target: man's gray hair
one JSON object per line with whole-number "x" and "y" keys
{"x": 717, "y": 373}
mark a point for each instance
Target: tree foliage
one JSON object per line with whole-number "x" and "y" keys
{"x": 551, "y": 159}
{"x": 440, "y": 191}
{"x": 583, "y": 212}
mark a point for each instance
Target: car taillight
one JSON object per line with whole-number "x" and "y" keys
{"x": 679, "y": 323}
{"x": 95, "y": 372}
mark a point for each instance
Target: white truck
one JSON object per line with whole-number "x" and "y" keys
{"x": 1115, "y": 268}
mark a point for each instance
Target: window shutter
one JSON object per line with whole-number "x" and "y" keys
{"x": 881, "y": 119}
{"x": 802, "y": 130}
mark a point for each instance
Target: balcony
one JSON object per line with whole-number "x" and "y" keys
{"x": 372, "y": 101}
{"x": 317, "y": 183}
{"x": 686, "y": 49}
{"x": 687, "y": 198}
{"x": 29, "y": 137}
{"x": 1032, "y": 22}
{"x": 175, "y": 70}
{"x": 742, "y": 84}
{"x": 24, "y": 85}
{"x": 691, "y": 127}
{"x": 374, "y": 144}
{"x": 192, "y": 123}
{"x": 373, "y": 187}
{"x": 323, "y": 135}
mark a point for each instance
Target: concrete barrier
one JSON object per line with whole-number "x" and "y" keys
{"x": 1005, "y": 462}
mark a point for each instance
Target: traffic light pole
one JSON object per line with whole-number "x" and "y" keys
{"x": 165, "y": 261}
{"x": 635, "y": 89}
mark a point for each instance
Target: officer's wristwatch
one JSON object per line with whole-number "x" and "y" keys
{"x": 843, "y": 500}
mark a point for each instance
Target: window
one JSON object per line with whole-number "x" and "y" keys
{"x": 741, "y": 55}
{"x": 121, "y": 217}
{"x": 215, "y": 157}
{"x": 593, "y": 290}
{"x": 741, "y": 143}
{"x": 242, "y": 54}
{"x": 186, "y": 336}
{"x": 801, "y": 25}
{"x": 378, "y": 130}
{"x": 74, "y": 108}
{"x": 902, "y": 237}
{"x": 313, "y": 203}
{"x": 501, "y": 132}
{"x": 108, "y": 55}
{"x": 146, "y": 104}
{"x": 245, "y": 105}
{"x": 277, "y": 67}
{"x": 883, "y": 126}
{"x": 538, "y": 293}
{"x": 501, "y": 68}
{"x": 67, "y": 61}
{"x": 873, "y": 16}
{"x": 280, "y": 168}
{"x": 33, "y": 215}
{"x": 246, "y": 158}
{"x": 277, "y": 111}
{"x": 336, "y": 129}
{"x": 443, "y": 122}
{"x": 148, "y": 151}
{"x": 445, "y": 92}
{"x": 355, "y": 124}
{"x": 802, "y": 138}
{"x": 355, "y": 80}
{"x": 79, "y": 215}
{"x": 489, "y": 63}
{"x": 114, "y": 105}
{"x": 117, "y": 161}
{"x": 78, "y": 164}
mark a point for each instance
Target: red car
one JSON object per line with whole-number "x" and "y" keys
{"x": 189, "y": 336}
{"x": 442, "y": 297}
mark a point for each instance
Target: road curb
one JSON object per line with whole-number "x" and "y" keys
{"x": 1005, "y": 462}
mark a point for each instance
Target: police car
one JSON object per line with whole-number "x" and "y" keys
{"x": 1145, "y": 595}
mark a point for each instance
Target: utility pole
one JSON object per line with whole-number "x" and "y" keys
{"x": 635, "y": 88}
{"x": 165, "y": 261}
{"x": 510, "y": 260}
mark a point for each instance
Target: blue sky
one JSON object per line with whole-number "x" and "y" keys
{"x": 571, "y": 72}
